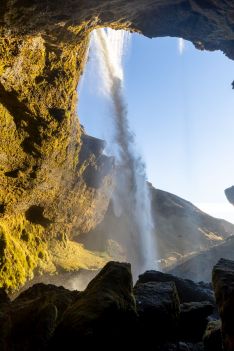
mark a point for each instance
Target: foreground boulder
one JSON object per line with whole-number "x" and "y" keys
{"x": 30, "y": 320}
{"x": 158, "y": 307}
{"x": 223, "y": 282}
{"x": 213, "y": 338}
{"x": 193, "y": 319}
{"x": 109, "y": 315}
{"x": 188, "y": 291}
{"x": 103, "y": 315}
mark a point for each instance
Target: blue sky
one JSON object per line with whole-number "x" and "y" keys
{"x": 180, "y": 107}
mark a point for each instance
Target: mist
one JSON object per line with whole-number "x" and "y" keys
{"x": 131, "y": 195}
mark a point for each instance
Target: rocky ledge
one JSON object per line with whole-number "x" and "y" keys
{"x": 160, "y": 313}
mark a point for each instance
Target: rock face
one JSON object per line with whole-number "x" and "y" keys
{"x": 108, "y": 315}
{"x": 158, "y": 307}
{"x": 188, "y": 291}
{"x": 47, "y": 187}
{"x": 213, "y": 338}
{"x": 229, "y": 192}
{"x": 193, "y": 319}
{"x": 105, "y": 311}
{"x": 199, "y": 267}
{"x": 180, "y": 227}
{"x": 223, "y": 282}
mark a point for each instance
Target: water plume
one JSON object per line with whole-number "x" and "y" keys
{"x": 181, "y": 45}
{"x": 131, "y": 196}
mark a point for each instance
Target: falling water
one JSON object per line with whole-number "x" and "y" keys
{"x": 131, "y": 194}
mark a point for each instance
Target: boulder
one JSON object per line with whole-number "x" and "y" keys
{"x": 158, "y": 308}
{"x": 213, "y": 338}
{"x": 103, "y": 315}
{"x": 28, "y": 322}
{"x": 223, "y": 282}
{"x": 49, "y": 294}
{"x": 193, "y": 319}
{"x": 188, "y": 291}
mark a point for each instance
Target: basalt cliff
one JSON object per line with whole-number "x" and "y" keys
{"x": 54, "y": 180}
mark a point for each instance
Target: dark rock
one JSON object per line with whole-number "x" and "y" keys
{"x": 193, "y": 319}
{"x": 223, "y": 282}
{"x": 180, "y": 346}
{"x": 29, "y": 321}
{"x": 229, "y": 192}
{"x": 4, "y": 298}
{"x": 158, "y": 308}
{"x": 188, "y": 291}
{"x": 212, "y": 338}
{"x": 104, "y": 313}
{"x": 56, "y": 295}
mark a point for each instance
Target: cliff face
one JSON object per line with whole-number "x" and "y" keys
{"x": 180, "y": 227}
{"x": 47, "y": 164}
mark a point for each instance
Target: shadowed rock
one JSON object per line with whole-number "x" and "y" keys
{"x": 193, "y": 319}
{"x": 213, "y": 338}
{"x": 229, "y": 192}
{"x": 188, "y": 291}
{"x": 158, "y": 307}
{"x": 223, "y": 282}
{"x": 103, "y": 315}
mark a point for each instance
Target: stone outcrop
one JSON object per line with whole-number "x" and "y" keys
{"x": 181, "y": 230}
{"x": 188, "y": 291}
{"x": 158, "y": 307}
{"x": 48, "y": 188}
{"x": 229, "y": 192}
{"x": 104, "y": 313}
{"x": 212, "y": 338}
{"x": 199, "y": 267}
{"x": 108, "y": 315}
{"x": 223, "y": 282}
{"x": 194, "y": 319}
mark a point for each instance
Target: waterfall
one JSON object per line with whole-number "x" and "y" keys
{"x": 131, "y": 196}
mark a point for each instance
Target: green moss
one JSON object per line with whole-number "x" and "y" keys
{"x": 19, "y": 258}
{"x": 40, "y": 139}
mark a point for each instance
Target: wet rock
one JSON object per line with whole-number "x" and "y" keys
{"x": 212, "y": 338}
{"x": 193, "y": 319}
{"x": 158, "y": 308}
{"x": 188, "y": 291}
{"x": 223, "y": 282}
{"x": 103, "y": 315}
